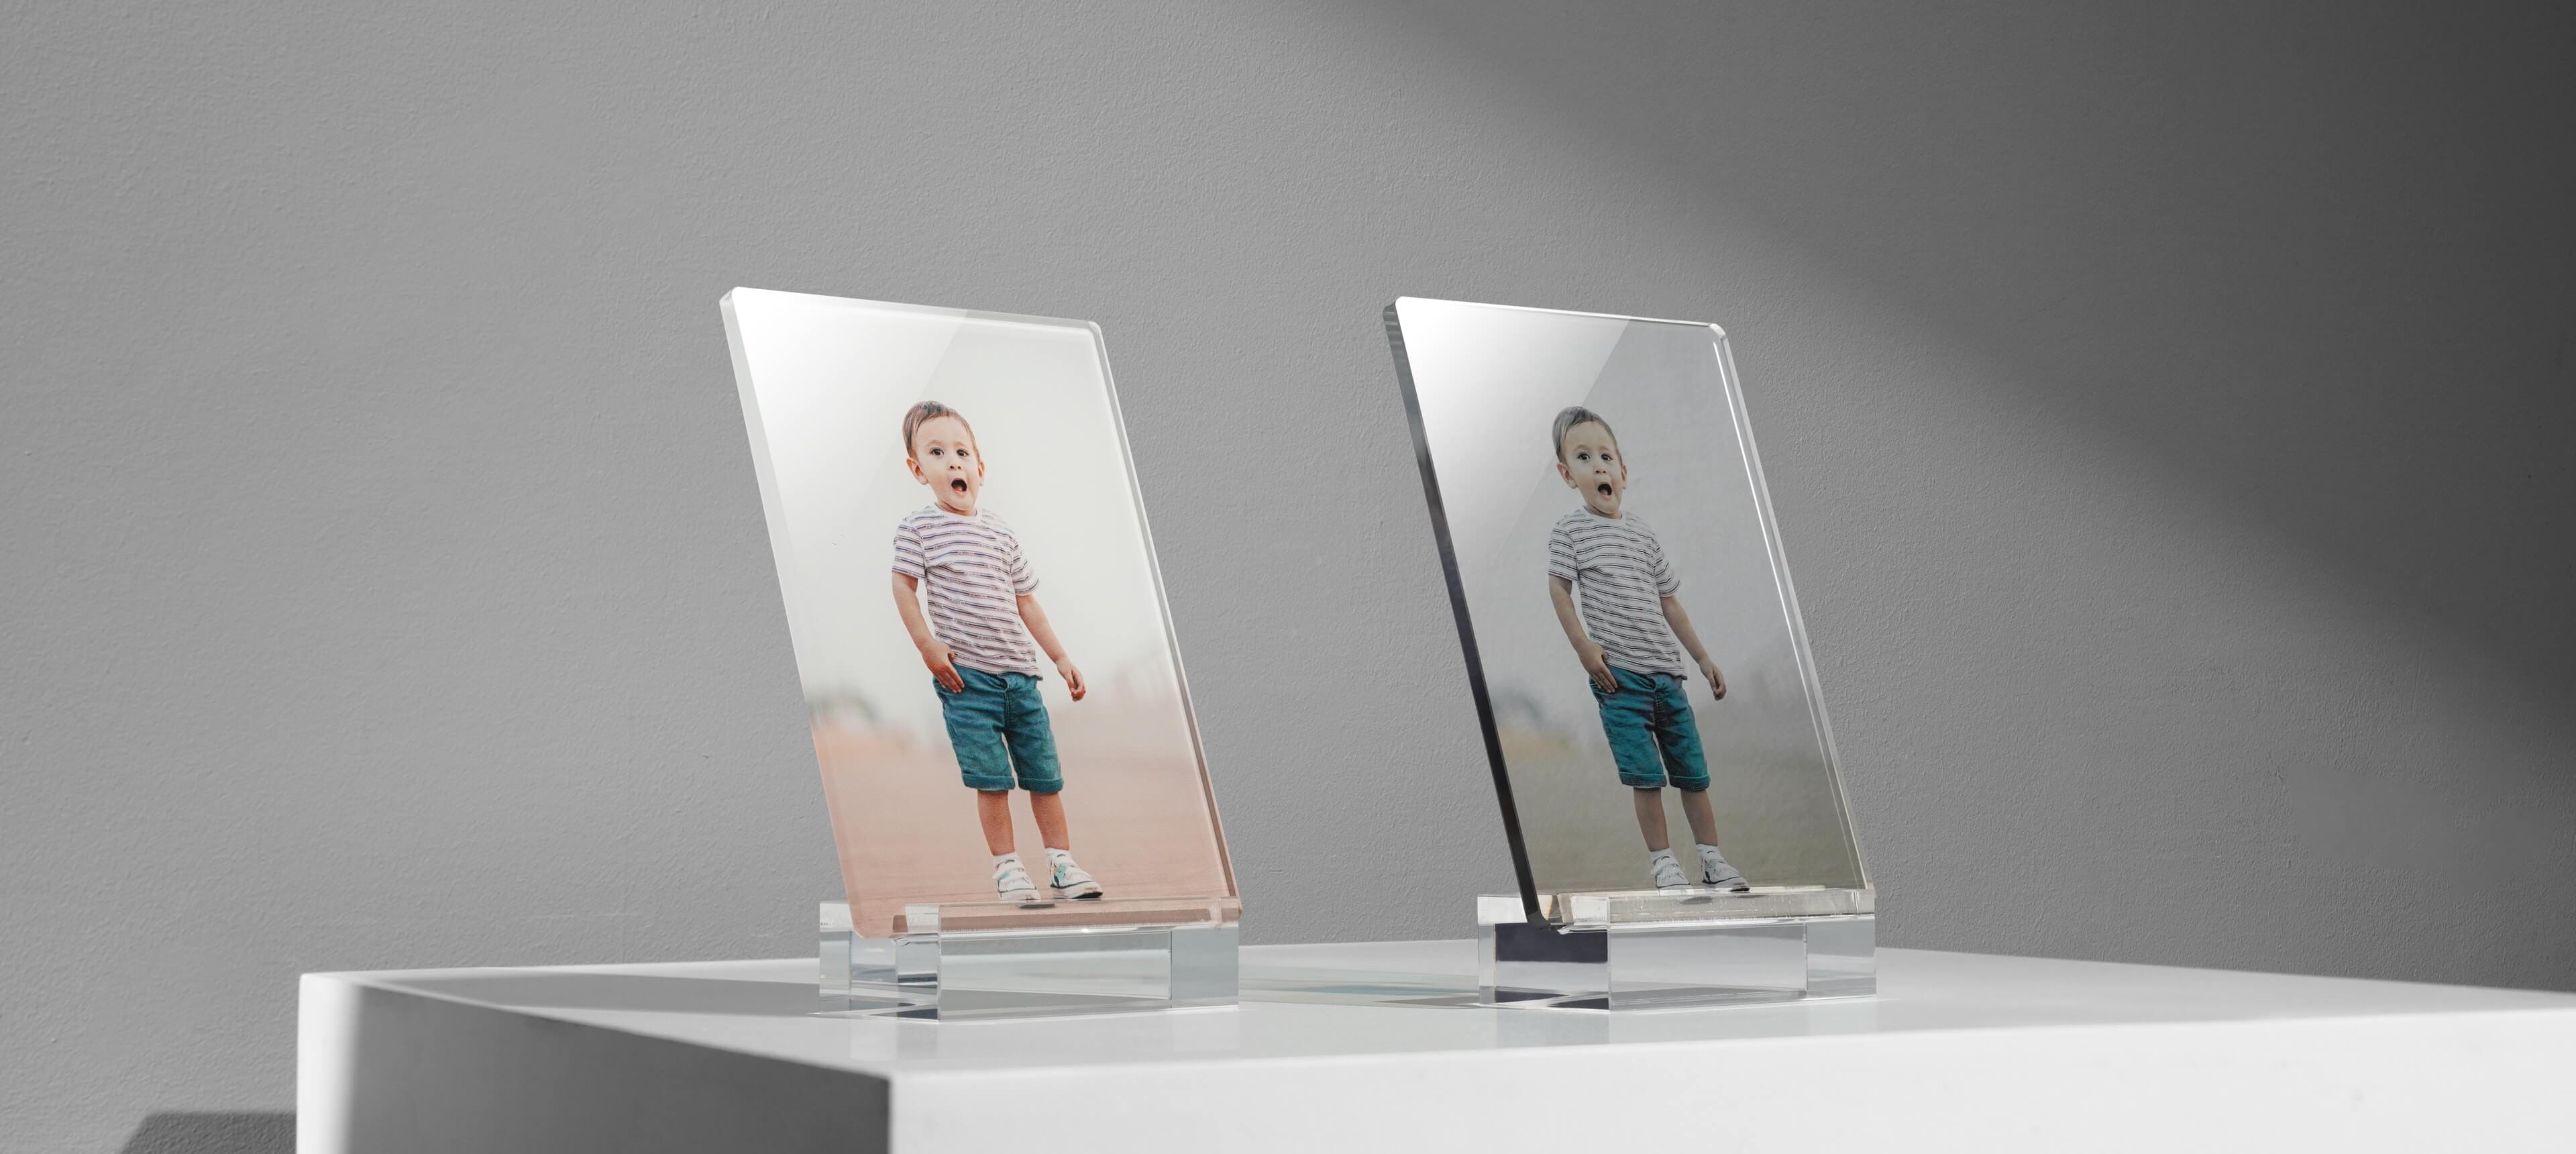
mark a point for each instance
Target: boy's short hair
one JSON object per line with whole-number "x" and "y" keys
{"x": 927, "y": 410}
{"x": 1578, "y": 415}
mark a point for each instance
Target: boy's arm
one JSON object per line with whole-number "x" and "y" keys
{"x": 1561, "y": 592}
{"x": 1679, "y": 619}
{"x": 934, "y": 652}
{"x": 1034, "y": 616}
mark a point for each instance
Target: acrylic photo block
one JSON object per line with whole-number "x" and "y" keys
{"x": 990, "y": 674}
{"x": 1633, "y": 645}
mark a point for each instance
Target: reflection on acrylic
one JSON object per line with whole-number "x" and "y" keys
{"x": 996, "y": 701}
{"x": 1635, "y": 636}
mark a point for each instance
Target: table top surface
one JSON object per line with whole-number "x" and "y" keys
{"x": 1352, "y": 1000}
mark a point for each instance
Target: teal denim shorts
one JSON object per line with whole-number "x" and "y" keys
{"x": 998, "y": 725}
{"x": 1653, "y": 737}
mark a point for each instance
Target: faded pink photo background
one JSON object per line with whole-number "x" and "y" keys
{"x": 825, "y": 382}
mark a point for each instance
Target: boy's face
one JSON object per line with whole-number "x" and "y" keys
{"x": 944, "y": 458}
{"x": 1589, "y": 461}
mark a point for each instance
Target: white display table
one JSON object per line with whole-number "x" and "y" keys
{"x": 1960, "y": 1051}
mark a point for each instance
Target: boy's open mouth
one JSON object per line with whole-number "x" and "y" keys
{"x": 1603, "y": 488}
{"x": 958, "y": 485}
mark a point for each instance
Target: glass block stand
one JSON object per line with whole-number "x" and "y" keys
{"x": 1007, "y": 960}
{"x": 1676, "y": 950}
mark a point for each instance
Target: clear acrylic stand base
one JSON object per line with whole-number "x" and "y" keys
{"x": 1675, "y": 953}
{"x": 1005, "y": 960}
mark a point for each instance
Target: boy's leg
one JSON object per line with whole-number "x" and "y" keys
{"x": 1032, "y": 745}
{"x": 993, "y": 812}
{"x": 1702, "y": 816}
{"x": 1714, "y": 869}
{"x": 1686, "y": 763}
{"x": 1650, "y": 819}
{"x": 1048, "y": 808}
{"x": 1030, "y": 739}
{"x": 1677, "y": 749}
{"x": 974, "y": 716}
{"x": 1064, "y": 875}
{"x": 1627, "y": 721}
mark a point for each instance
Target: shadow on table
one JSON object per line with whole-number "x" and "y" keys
{"x": 474, "y": 1062}
{"x": 213, "y": 1132}
{"x": 641, "y": 992}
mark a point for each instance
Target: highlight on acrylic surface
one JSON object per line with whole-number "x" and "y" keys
{"x": 995, "y": 693}
{"x": 1640, "y": 670}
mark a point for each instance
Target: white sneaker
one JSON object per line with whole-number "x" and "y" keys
{"x": 1011, "y": 879}
{"x": 1715, "y": 873}
{"x": 1668, "y": 873}
{"x": 1069, "y": 881}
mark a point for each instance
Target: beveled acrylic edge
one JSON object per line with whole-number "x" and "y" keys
{"x": 1545, "y": 908}
{"x": 1778, "y": 552}
{"x": 1458, "y": 610}
{"x": 740, "y": 356}
{"x": 1067, "y": 916}
{"x": 1641, "y": 908}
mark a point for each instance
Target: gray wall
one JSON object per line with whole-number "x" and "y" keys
{"x": 2164, "y": 407}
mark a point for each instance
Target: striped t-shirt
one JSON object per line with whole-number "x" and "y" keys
{"x": 1620, "y": 580}
{"x": 975, "y": 574}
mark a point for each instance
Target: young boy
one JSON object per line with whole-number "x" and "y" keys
{"x": 1625, "y": 639}
{"x": 981, "y": 594}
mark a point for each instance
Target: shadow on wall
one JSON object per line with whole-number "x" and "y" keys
{"x": 2310, "y": 260}
{"x": 2271, "y": 311}
{"x": 214, "y": 1132}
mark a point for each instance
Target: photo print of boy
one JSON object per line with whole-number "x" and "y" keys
{"x": 975, "y": 637}
{"x": 1617, "y": 596}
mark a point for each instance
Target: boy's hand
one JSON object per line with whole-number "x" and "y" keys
{"x": 1072, "y": 678}
{"x": 1597, "y": 663}
{"x": 1716, "y": 679}
{"x": 943, "y": 669}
